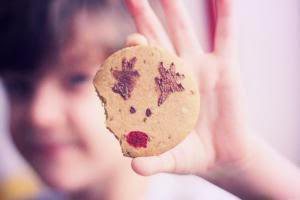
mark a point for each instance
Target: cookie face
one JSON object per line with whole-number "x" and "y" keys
{"x": 151, "y": 101}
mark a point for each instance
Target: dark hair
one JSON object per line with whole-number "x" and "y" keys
{"x": 32, "y": 29}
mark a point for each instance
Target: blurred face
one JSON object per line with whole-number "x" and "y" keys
{"x": 57, "y": 121}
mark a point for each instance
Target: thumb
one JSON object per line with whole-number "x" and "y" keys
{"x": 146, "y": 166}
{"x": 187, "y": 157}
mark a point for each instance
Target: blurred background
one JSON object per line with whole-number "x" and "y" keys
{"x": 269, "y": 43}
{"x": 270, "y": 64}
{"x": 269, "y": 54}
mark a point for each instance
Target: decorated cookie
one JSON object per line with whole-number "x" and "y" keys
{"x": 150, "y": 99}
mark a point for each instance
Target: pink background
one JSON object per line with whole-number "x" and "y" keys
{"x": 269, "y": 41}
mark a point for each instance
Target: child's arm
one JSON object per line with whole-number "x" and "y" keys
{"x": 264, "y": 174}
{"x": 221, "y": 148}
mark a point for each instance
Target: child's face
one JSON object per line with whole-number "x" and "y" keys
{"x": 57, "y": 121}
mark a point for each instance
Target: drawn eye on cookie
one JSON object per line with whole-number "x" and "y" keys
{"x": 148, "y": 111}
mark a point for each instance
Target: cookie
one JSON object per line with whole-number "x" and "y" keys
{"x": 150, "y": 99}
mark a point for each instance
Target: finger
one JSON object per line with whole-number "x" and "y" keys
{"x": 136, "y": 39}
{"x": 181, "y": 29}
{"x": 147, "y": 166}
{"x": 148, "y": 24}
{"x": 185, "y": 158}
{"x": 225, "y": 34}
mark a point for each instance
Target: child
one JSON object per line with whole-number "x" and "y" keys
{"x": 58, "y": 127}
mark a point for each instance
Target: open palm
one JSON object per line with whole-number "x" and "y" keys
{"x": 218, "y": 138}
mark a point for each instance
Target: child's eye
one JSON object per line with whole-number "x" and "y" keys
{"x": 19, "y": 89}
{"x": 78, "y": 79}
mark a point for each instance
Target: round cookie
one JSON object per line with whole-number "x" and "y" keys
{"x": 151, "y": 101}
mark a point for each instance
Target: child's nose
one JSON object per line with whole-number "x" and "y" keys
{"x": 46, "y": 108}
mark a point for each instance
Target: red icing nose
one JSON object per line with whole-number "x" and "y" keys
{"x": 137, "y": 139}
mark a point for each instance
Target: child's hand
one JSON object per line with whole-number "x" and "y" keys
{"x": 219, "y": 138}
{"x": 220, "y": 148}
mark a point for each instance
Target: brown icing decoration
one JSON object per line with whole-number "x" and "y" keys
{"x": 168, "y": 82}
{"x": 132, "y": 109}
{"x": 148, "y": 112}
{"x": 126, "y": 78}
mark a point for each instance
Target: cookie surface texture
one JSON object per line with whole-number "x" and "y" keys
{"x": 151, "y": 101}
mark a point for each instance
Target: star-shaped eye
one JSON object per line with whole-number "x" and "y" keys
{"x": 168, "y": 82}
{"x": 126, "y": 78}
